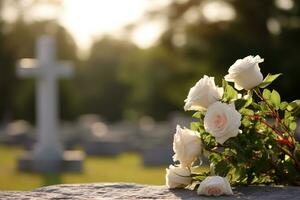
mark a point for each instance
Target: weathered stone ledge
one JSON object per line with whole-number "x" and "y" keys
{"x": 136, "y": 191}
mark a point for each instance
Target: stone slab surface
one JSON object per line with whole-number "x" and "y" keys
{"x": 136, "y": 191}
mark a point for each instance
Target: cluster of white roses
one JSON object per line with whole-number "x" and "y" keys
{"x": 221, "y": 120}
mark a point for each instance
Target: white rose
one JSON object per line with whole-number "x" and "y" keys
{"x": 214, "y": 186}
{"x": 204, "y": 93}
{"x": 177, "y": 177}
{"x": 187, "y": 146}
{"x": 222, "y": 121}
{"x": 245, "y": 73}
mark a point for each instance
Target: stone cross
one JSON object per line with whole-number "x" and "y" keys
{"x": 46, "y": 70}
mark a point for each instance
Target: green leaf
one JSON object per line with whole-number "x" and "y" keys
{"x": 224, "y": 84}
{"x": 288, "y": 118}
{"x": 246, "y": 111}
{"x": 256, "y": 106}
{"x": 283, "y": 105}
{"x": 195, "y": 126}
{"x": 222, "y": 168}
{"x": 264, "y": 107}
{"x": 275, "y": 99}
{"x": 249, "y": 100}
{"x": 229, "y": 92}
{"x": 246, "y": 122}
{"x": 198, "y": 115}
{"x": 240, "y": 103}
{"x": 215, "y": 157}
{"x": 294, "y": 107}
{"x": 268, "y": 80}
{"x": 266, "y": 94}
{"x": 293, "y": 126}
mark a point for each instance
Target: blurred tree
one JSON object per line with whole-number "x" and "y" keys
{"x": 159, "y": 82}
{"x": 217, "y": 32}
{"x": 206, "y": 37}
{"x": 7, "y": 80}
{"x": 147, "y": 72}
{"x": 120, "y": 80}
{"x": 23, "y": 37}
{"x": 101, "y": 89}
{"x": 17, "y": 40}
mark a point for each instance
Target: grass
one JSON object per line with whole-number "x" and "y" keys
{"x": 127, "y": 167}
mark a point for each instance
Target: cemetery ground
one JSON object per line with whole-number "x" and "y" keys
{"x": 126, "y": 167}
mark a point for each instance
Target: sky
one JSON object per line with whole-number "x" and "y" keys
{"x": 89, "y": 19}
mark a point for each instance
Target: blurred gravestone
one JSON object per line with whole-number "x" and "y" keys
{"x": 127, "y": 133}
{"x": 70, "y": 135}
{"x": 156, "y": 143}
{"x": 18, "y": 132}
{"x": 157, "y": 155}
{"x": 108, "y": 140}
{"x": 85, "y": 122}
{"x": 177, "y": 118}
{"x": 48, "y": 154}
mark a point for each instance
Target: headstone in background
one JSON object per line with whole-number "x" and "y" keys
{"x": 96, "y": 143}
{"x": 157, "y": 155}
{"x": 19, "y": 132}
{"x": 177, "y": 118}
{"x": 152, "y": 132}
{"x": 48, "y": 154}
{"x": 109, "y": 140}
{"x": 127, "y": 132}
{"x": 70, "y": 135}
{"x": 156, "y": 145}
{"x": 85, "y": 121}
{"x": 84, "y": 124}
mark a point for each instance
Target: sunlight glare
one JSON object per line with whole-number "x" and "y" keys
{"x": 88, "y": 19}
{"x": 284, "y": 4}
{"x": 215, "y": 11}
{"x": 146, "y": 34}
